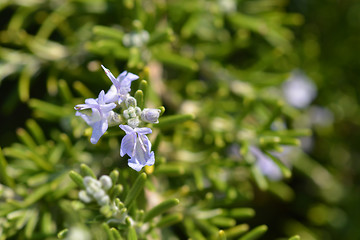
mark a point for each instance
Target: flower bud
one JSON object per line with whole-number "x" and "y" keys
{"x": 88, "y": 180}
{"x": 126, "y": 114}
{"x": 113, "y": 119}
{"x": 106, "y": 182}
{"x": 150, "y": 115}
{"x": 133, "y": 122}
{"x": 130, "y": 102}
{"x": 105, "y": 200}
{"x": 91, "y": 185}
{"x": 83, "y": 196}
{"x": 132, "y": 112}
{"x": 99, "y": 194}
{"x": 137, "y": 111}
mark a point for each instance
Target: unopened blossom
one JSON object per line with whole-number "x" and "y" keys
{"x": 96, "y": 190}
{"x": 150, "y": 115}
{"x": 98, "y": 120}
{"x": 120, "y": 89}
{"x": 137, "y": 146}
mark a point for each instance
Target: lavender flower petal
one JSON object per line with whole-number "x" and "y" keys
{"x": 137, "y": 146}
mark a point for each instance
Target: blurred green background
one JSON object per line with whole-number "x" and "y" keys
{"x": 226, "y": 62}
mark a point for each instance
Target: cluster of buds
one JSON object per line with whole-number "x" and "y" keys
{"x": 129, "y": 118}
{"x": 95, "y": 190}
{"x": 99, "y": 191}
{"x": 134, "y": 115}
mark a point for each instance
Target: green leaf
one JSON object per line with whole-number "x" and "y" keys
{"x": 86, "y": 171}
{"x": 30, "y": 226}
{"x": 260, "y": 180}
{"x": 135, "y": 190}
{"x": 47, "y": 224}
{"x": 36, "y": 131}
{"x": 65, "y": 90}
{"x": 108, "y": 48}
{"x": 64, "y": 138}
{"x": 255, "y": 233}
{"x": 51, "y": 110}
{"x": 37, "y": 194}
{"x": 175, "y": 60}
{"x": 283, "y": 168}
{"x": 274, "y": 114}
{"x": 26, "y": 138}
{"x": 132, "y": 234}
{"x": 83, "y": 90}
{"x": 156, "y": 143}
{"x": 289, "y": 133}
{"x": 3, "y": 171}
{"x": 223, "y": 222}
{"x": 161, "y": 208}
{"x": 108, "y": 32}
{"x": 193, "y": 232}
{"x": 108, "y": 232}
{"x": 139, "y": 96}
{"x": 170, "y": 121}
{"x": 281, "y": 190}
{"x": 206, "y": 227}
{"x": 170, "y": 169}
{"x": 24, "y": 84}
{"x": 143, "y": 86}
{"x": 198, "y": 178}
{"x": 116, "y": 234}
{"x": 134, "y": 60}
{"x": 221, "y": 235}
{"x": 169, "y": 220}
{"x": 296, "y": 237}
{"x": 25, "y": 153}
{"x": 160, "y": 37}
{"x": 242, "y": 213}
{"x": 236, "y": 231}
{"x": 77, "y": 178}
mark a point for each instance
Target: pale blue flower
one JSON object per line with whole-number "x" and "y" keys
{"x": 266, "y": 164}
{"x": 137, "y": 145}
{"x": 121, "y": 86}
{"x": 299, "y": 90}
{"x": 98, "y": 120}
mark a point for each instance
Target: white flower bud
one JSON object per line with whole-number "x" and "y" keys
{"x": 137, "y": 111}
{"x": 133, "y": 122}
{"x": 87, "y": 180}
{"x": 126, "y": 114}
{"x": 106, "y": 182}
{"x": 105, "y": 200}
{"x": 113, "y": 119}
{"x": 150, "y": 115}
{"x": 130, "y": 102}
{"x": 132, "y": 112}
{"x": 145, "y": 36}
{"x": 83, "y": 196}
{"x": 99, "y": 194}
{"x": 136, "y": 40}
{"x": 93, "y": 187}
